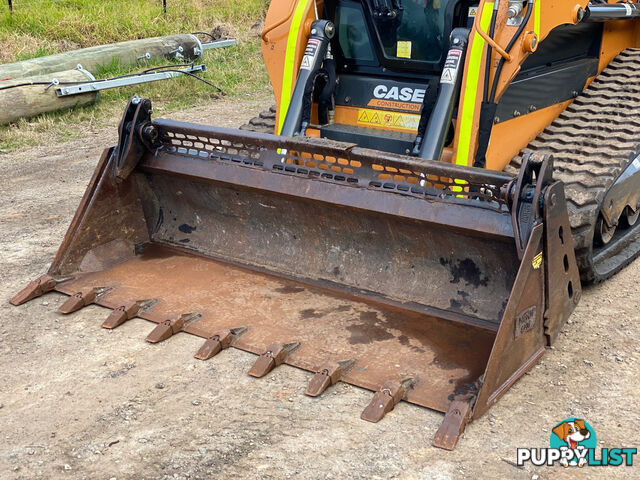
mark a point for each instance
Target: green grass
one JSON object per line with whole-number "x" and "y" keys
{"x": 40, "y": 27}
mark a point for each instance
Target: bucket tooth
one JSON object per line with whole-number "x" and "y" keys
{"x": 81, "y": 299}
{"x": 170, "y": 327}
{"x": 218, "y": 342}
{"x": 214, "y": 345}
{"x": 274, "y": 356}
{"x": 34, "y": 289}
{"x": 384, "y": 400}
{"x": 326, "y": 376}
{"x": 455, "y": 420}
{"x": 121, "y": 314}
{"x": 162, "y": 331}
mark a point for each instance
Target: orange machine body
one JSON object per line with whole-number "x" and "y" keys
{"x": 287, "y": 28}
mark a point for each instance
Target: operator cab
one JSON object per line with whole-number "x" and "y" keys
{"x": 389, "y": 56}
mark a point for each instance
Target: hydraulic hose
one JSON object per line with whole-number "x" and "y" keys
{"x": 527, "y": 16}
{"x": 487, "y": 68}
{"x": 489, "y": 105}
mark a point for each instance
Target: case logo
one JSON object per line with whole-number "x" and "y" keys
{"x": 404, "y": 94}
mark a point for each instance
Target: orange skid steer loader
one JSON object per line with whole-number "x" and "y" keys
{"x": 414, "y": 217}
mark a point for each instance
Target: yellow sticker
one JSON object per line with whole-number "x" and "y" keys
{"x": 473, "y": 11}
{"x": 392, "y": 120}
{"x": 537, "y": 261}
{"x": 403, "y": 49}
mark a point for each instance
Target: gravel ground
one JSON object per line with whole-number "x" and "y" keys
{"x": 78, "y": 401}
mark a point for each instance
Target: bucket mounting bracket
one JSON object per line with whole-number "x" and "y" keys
{"x": 136, "y": 134}
{"x": 526, "y": 196}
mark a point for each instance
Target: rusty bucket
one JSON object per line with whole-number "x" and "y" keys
{"x": 420, "y": 281}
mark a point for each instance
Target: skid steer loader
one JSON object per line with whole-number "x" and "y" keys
{"x": 437, "y": 178}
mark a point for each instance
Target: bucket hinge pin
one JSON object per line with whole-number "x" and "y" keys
{"x": 218, "y": 342}
{"x": 274, "y": 356}
{"x": 455, "y": 420}
{"x": 126, "y": 312}
{"x": 171, "y": 326}
{"x": 385, "y": 399}
{"x": 34, "y": 289}
{"x": 329, "y": 374}
{"x": 81, "y": 299}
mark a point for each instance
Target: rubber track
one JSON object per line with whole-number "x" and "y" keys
{"x": 263, "y": 123}
{"x": 592, "y": 142}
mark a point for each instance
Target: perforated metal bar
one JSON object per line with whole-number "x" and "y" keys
{"x": 335, "y": 162}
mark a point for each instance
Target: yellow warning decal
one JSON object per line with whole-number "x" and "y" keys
{"x": 368, "y": 117}
{"x": 288, "y": 78}
{"x": 403, "y": 49}
{"x": 537, "y": 261}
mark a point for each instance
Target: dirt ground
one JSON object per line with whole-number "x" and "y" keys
{"x": 79, "y": 401}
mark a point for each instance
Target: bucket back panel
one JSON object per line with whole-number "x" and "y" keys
{"x": 406, "y": 261}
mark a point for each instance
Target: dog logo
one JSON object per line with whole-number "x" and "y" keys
{"x": 576, "y": 436}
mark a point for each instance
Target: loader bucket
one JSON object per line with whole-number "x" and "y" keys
{"x": 421, "y": 281}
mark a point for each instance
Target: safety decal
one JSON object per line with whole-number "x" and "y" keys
{"x": 393, "y": 120}
{"x": 306, "y": 62}
{"x": 451, "y": 64}
{"x": 309, "y": 54}
{"x": 403, "y": 49}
